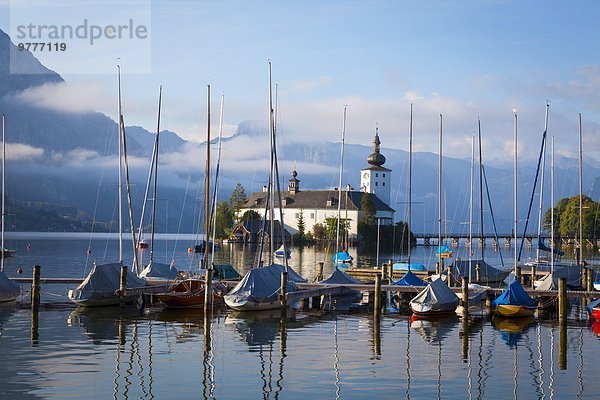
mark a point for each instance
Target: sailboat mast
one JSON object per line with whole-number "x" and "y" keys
{"x": 216, "y": 185}
{"x": 207, "y": 182}
{"x": 552, "y": 209}
{"x": 410, "y": 148}
{"x": 515, "y": 187}
{"x": 271, "y": 171}
{"x": 339, "y": 210}
{"x": 472, "y": 184}
{"x": 541, "y": 204}
{"x": 120, "y": 142}
{"x": 154, "y": 199}
{"x": 482, "y": 239}
{"x": 440, "y": 199}
{"x": 3, "y": 187}
{"x": 580, "y": 193}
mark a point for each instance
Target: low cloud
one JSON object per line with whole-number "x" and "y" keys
{"x": 67, "y": 97}
{"x": 19, "y": 151}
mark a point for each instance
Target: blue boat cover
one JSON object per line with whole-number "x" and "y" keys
{"x": 401, "y": 266}
{"x": 443, "y": 249}
{"x": 514, "y": 295}
{"x": 543, "y": 247}
{"x": 592, "y": 304}
{"x": 342, "y": 256}
{"x": 410, "y": 279}
{"x": 340, "y": 277}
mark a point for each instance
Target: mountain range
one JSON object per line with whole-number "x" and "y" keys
{"x": 62, "y": 168}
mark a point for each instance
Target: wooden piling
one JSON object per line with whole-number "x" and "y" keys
{"x": 533, "y": 277}
{"x": 320, "y": 271}
{"x": 449, "y": 276}
{"x": 437, "y": 267}
{"x": 562, "y": 300}
{"x": 122, "y": 284}
{"x": 477, "y": 272}
{"x": 384, "y": 271}
{"x": 584, "y": 274}
{"x": 518, "y": 275}
{"x": 465, "y": 297}
{"x": 377, "y": 297}
{"x": 283, "y": 293}
{"x": 35, "y": 287}
{"x": 590, "y": 280}
{"x": 488, "y": 305}
{"x": 562, "y": 346}
{"x": 390, "y": 270}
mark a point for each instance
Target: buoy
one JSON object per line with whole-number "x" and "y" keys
{"x": 20, "y": 271}
{"x": 190, "y": 250}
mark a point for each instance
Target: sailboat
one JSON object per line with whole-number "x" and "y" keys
{"x": 8, "y": 290}
{"x": 436, "y": 299}
{"x": 259, "y": 288}
{"x": 154, "y": 273}
{"x": 100, "y": 285}
{"x": 514, "y": 302}
{"x": 192, "y": 292}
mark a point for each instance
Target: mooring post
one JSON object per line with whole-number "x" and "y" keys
{"x": 283, "y": 293}
{"x": 320, "y": 271}
{"x": 533, "y": 277}
{"x": 477, "y": 272}
{"x": 437, "y": 267}
{"x": 584, "y": 274}
{"x": 465, "y": 297}
{"x": 488, "y": 304}
{"x": 122, "y": 284}
{"x": 562, "y": 300}
{"x": 391, "y": 270}
{"x": 449, "y": 276}
{"x": 35, "y": 287}
{"x": 383, "y": 271}
{"x": 518, "y": 275}
{"x": 562, "y": 346}
{"x": 377, "y": 298}
{"x": 590, "y": 280}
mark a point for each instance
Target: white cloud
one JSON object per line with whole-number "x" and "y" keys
{"x": 65, "y": 97}
{"x": 309, "y": 84}
{"x": 19, "y": 151}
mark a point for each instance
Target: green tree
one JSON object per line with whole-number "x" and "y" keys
{"x": 331, "y": 228}
{"x": 367, "y": 206}
{"x": 224, "y": 221}
{"x": 300, "y": 223}
{"x": 318, "y": 231}
{"x": 566, "y": 218}
{"x": 237, "y": 198}
{"x": 250, "y": 215}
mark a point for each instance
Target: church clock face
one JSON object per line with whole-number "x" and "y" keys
{"x": 366, "y": 175}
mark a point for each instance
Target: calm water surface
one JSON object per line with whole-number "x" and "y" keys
{"x": 66, "y": 352}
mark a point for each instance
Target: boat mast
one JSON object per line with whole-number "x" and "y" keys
{"x": 515, "y": 188}
{"x": 339, "y": 210}
{"x": 154, "y": 199}
{"x": 552, "y": 209}
{"x": 539, "y": 232}
{"x": 580, "y": 193}
{"x": 208, "y": 295}
{"x": 410, "y": 149}
{"x": 482, "y": 239}
{"x": 120, "y": 169}
{"x": 441, "y": 262}
{"x": 472, "y": 184}
{"x": 216, "y": 185}
{"x": 271, "y": 172}
{"x": 3, "y": 188}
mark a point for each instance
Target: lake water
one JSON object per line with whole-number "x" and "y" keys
{"x": 128, "y": 353}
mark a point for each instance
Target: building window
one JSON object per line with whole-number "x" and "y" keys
{"x": 376, "y": 183}
{"x": 384, "y": 175}
{"x": 382, "y": 183}
{"x": 312, "y": 215}
{"x": 376, "y": 175}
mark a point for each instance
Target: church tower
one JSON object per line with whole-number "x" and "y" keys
{"x": 375, "y": 178}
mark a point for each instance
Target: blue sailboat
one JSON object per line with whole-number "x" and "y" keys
{"x": 514, "y": 302}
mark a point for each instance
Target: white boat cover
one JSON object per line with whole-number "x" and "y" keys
{"x": 8, "y": 290}
{"x": 105, "y": 279}
{"x": 340, "y": 277}
{"x": 436, "y": 297}
{"x": 159, "y": 271}
{"x": 263, "y": 284}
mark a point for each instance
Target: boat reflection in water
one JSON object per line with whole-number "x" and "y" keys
{"x": 511, "y": 329}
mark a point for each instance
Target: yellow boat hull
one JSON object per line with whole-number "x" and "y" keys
{"x": 514, "y": 311}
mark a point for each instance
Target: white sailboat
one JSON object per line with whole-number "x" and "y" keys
{"x": 100, "y": 286}
{"x": 259, "y": 288}
{"x": 8, "y": 290}
{"x": 154, "y": 273}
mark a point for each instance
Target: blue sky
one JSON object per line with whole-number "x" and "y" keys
{"x": 462, "y": 59}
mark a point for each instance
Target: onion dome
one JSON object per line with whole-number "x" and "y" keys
{"x": 376, "y": 158}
